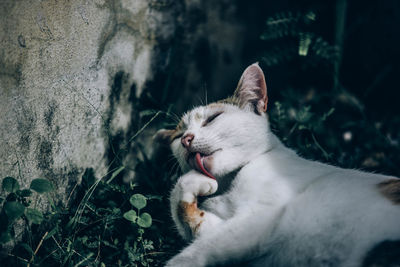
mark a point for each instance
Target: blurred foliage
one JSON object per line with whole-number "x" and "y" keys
{"x": 293, "y": 34}
{"x": 310, "y": 116}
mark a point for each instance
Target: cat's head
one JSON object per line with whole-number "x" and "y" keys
{"x": 221, "y": 137}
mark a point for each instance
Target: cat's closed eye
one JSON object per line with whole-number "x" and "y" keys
{"x": 211, "y": 118}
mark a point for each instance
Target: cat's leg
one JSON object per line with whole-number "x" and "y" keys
{"x": 240, "y": 238}
{"x": 189, "y": 219}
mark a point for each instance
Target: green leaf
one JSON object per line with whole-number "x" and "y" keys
{"x": 151, "y": 197}
{"x": 147, "y": 112}
{"x": 115, "y": 173}
{"x": 9, "y": 184}
{"x": 51, "y": 233}
{"x": 25, "y": 193}
{"x": 5, "y": 237}
{"x": 144, "y": 220}
{"x": 138, "y": 201}
{"x": 14, "y": 210}
{"x": 34, "y": 216}
{"x": 41, "y": 185}
{"x": 130, "y": 215}
{"x": 304, "y": 115}
{"x": 326, "y": 115}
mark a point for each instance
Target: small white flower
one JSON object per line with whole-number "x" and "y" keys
{"x": 347, "y": 136}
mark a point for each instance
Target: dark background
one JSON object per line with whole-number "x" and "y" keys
{"x": 349, "y": 72}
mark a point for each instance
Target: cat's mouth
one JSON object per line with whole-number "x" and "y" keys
{"x": 201, "y": 163}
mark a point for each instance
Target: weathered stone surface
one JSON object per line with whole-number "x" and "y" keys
{"x": 71, "y": 73}
{"x": 59, "y": 65}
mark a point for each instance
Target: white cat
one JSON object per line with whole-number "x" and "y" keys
{"x": 272, "y": 207}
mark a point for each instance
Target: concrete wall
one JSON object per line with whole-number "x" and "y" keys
{"x": 71, "y": 73}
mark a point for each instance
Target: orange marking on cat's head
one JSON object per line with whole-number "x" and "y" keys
{"x": 167, "y": 136}
{"x": 230, "y": 100}
{"x": 391, "y": 189}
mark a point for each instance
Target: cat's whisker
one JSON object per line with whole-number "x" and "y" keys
{"x": 205, "y": 91}
{"x": 174, "y": 117}
{"x": 171, "y": 158}
{"x": 174, "y": 168}
{"x": 200, "y": 100}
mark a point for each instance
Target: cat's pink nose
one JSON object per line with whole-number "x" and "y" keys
{"x": 186, "y": 140}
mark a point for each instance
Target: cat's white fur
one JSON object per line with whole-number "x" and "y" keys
{"x": 278, "y": 209}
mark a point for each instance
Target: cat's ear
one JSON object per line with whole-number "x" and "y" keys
{"x": 252, "y": 89}
{"x": 164, "y": 136}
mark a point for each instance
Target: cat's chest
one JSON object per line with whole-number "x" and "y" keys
{"x": 247, "y": 192}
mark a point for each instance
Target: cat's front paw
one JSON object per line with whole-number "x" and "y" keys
{"x": 184, "y": 209}
{"x": 194, "y": 184}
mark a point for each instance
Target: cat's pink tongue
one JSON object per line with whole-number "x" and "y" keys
{"x": 201, "y": 166}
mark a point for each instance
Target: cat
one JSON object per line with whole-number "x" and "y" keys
{"x": 265, "y": 205}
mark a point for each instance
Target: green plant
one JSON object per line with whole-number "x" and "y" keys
{"x": 105, "y": 224}
{"x": 17, "y": 206}
{"x": 312, "y": 111}
{"x": 139, "y": 202}
{"x": 290, "y": 35}
{"x": 295, "y": 121}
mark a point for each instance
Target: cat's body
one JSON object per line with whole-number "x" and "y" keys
{"x": 272, "y": 207}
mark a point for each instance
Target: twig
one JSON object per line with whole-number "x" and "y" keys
{"x": 98, "y": 250}
{"x": 326, "y": 155}
{"x": 158, "y": 252}
{"x": 77, "y": 253}
{"x": 72, "y": 191}
{"x": 58, "y": 244}
{"x": 22, "y": 259}
{"x": 144, "y": 127}
{"x": 85, "y": 259}
{"x": 292, "y": 130}
{"x": 51, "y": 253}
{"x": 37, "y": 248}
